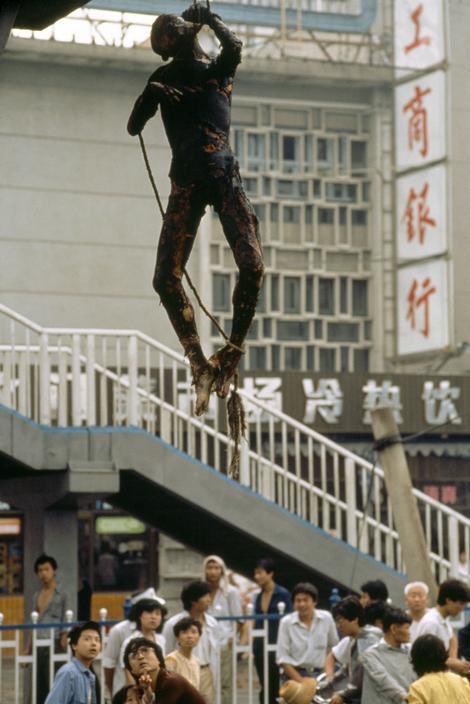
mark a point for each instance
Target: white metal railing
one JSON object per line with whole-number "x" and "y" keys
{"x": 75, "y": 377}
{"x": 23, "y": 646}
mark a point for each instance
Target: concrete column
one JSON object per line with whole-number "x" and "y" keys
{"x": 404, "y": 506}
{"x": 61, "y": 541}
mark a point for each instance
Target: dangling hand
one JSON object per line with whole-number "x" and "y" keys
{"x": 173, "y": 95}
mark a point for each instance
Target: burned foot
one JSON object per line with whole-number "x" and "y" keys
{"x": 203, "y": 383}
{"x": 225, "y": 361}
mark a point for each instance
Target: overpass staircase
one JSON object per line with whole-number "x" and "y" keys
{"x": 110, "y": 412}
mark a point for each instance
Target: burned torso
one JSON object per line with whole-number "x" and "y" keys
{"x": 198, "y": 126}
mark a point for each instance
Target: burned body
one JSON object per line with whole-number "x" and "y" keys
{"x": 194, "y": 95}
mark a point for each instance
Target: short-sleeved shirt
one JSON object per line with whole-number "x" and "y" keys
{"x": 368, "y": 636}
{"x": 189, "y": 668}
{"x": 436, "y": 625}
{"x": 279, "y": 595}
{"x": 54, "y": 611}
{"x": 209, "y": 642}
{"x": 440, "y": 688}
{"x": 226, "y": 603}
{"x": 111, "y": 653}
{"x": 306, "y": 646}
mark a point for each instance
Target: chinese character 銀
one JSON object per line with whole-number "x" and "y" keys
{"x": 417, "y": 215}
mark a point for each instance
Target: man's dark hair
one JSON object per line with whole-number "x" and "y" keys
{"x": 428, "y": 654}
{"x": 146, "y": 605}
{"x": 375, "y": 611}
{"x": 349, "y": 608}
{"x": 394, "y": 616}
{"x": 121, "y": 695}
{"x": 184, "y": 623}
{"x": 305, "y": 588}
{"x": 376, "y": 589}
{"x": 194, "y": 591}
{"x": 77, "y": 631}
{"x": 454, "y": 590}
{"x": 266, "y": 563}
{"x": 136, "y": 643}
{"x": 45, "y": 559}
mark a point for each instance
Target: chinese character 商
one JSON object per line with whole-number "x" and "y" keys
{"x": 418, "y": 124}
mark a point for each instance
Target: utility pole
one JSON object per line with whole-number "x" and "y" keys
{"x": 400, "y": 491}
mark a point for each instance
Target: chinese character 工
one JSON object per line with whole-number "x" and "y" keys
{"x": 418, "y": 39}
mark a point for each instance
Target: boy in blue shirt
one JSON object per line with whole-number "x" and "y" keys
{"x": 75, "y": 682}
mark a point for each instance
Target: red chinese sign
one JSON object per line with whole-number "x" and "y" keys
{"x": 418, "y": 132}
{"x": 417, "y": 214}
{"x": 420, "y": 299}
{"x": 418, "y": 40}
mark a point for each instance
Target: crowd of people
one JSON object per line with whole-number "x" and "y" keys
{"x": 365, "y": 651}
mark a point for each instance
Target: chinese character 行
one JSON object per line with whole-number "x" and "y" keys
{"x": 385, "y": 395}
{"x": 439, "y": 406}
{"x": 327, "y": 400}
{"x": 418, "y": 121}
{"x": 416, "y": 300}
{"x": 417, "y": 215}
{"x": 266, "y": 389}
{"x": 418, "y": 39}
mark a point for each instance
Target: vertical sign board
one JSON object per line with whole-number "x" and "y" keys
{"x": 422, "y": 307}
{"x": 421, "y": 181}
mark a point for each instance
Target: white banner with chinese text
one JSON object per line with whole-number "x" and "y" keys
{"x": 420, "y": 121}
{"x": 423, "y": 307}
{"x": 419, "y": 35}
{"x": 421, "y": 213}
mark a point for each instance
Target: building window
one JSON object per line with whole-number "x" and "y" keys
{"x": 327, "y": 359}
{"x": 221, "y": 292}
{"x": 291, "y": 294}
{"x": 343, "y": 296}
{"x": 256, "y": 152}
{"x": 292, "y": 330}
{"x": 275, "y": 292}
{"x": 360, "y": 304}
{"x": 292, "y": 358}
{"x": 361, "y": 360}
{"x": 290, "y": 153}
{"x": 257, "y": 357}
{"x": 275, "y": 357}
{"x": 326, "y": 296}
{"x": 309, "y": 298}
{"x": 343, "y": 332}
{"x": 358, "y": 156}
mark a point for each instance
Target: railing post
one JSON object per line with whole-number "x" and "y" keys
{"x": 76, "y": 419}
{"x": 44, "y": 381}
{"x": 132, "y": 398}
{"x": 453, "y": 539}
{"x": 90, "y": 380}
{"x": 350, "y": 488}
{"x": 244, "y": 463}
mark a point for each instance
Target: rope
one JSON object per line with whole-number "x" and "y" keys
{"x": 188, "y": 279}
{"x": 235, "y": 409}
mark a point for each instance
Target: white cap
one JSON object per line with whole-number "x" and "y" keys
{"x": 149, "y": 593}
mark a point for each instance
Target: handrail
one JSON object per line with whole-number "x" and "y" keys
{"x": 283, "y": 459}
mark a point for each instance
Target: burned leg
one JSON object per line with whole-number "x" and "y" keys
{"x": 180, "y": 225}
{"x": 240, "y": 226}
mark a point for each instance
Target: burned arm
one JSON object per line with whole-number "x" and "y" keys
{"x": 146, "y": 104}
{"x": 231, "y": 54}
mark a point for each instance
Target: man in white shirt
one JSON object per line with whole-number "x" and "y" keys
{"x": 225, "y": 601}
{"x": 416, "y": 597}
{"x": 451, "y": 600}
{"x": 196, "y": 598}
{"x": 305, "y": 636}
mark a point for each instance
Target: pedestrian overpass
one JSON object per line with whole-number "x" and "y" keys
{"x": 108, "y": 412}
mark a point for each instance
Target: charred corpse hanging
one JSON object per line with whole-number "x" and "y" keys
{"x": 194, "y": 95}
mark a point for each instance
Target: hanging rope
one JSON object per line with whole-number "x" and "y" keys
{"x": 235, "y": 408}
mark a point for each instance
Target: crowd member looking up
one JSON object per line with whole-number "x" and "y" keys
{"x": 148, "y": 615}
{"x": 114, "y": 676}
{"x": 225, "y": 601}
{"x": 387, "y": 669}
{"x": 452, "y": 598}
{"x": 435, "y": 684}
{"x": 76, "y": 682}
{"x": 357, "y": 637}
{"x": 267, "y": 601}
{"x": 144, "y": 660}
{"x": 305, "y": 636}
{"x": 374, "y": 590}
{"x": 182, "y": 661}
{"x": 416, "y": 597}
{"x": 196, "y": 599}
{"x": 51, "y": 603}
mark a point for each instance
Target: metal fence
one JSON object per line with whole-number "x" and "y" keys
{"x": 26, "y": 647}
